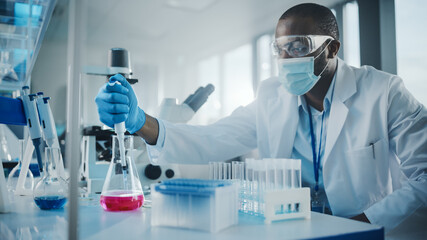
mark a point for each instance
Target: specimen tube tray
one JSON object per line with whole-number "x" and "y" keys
{"x": 207, "y": 205}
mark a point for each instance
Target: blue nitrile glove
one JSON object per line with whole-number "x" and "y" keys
{"x": 117, "y": 103}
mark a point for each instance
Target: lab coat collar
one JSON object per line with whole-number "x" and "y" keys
{"x": 345, "y": 87}
{"x": 281, "y": 144}
{"x": 326, "y": 101}
{"x": 346, "y": 82}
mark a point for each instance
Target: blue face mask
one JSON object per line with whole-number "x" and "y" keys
{"x": 297, "y": 74}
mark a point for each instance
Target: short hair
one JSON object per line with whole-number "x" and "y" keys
{"x": 322, "y": 16}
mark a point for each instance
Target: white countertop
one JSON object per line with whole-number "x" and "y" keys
{"x": 27, "y": 220}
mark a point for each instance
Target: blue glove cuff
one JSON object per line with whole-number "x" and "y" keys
{"x": 139, "y": 123}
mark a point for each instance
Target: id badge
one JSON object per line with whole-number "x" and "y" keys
{"x": 317, "y": 205}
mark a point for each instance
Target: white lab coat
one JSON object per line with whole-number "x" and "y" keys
{"x": 375, "y": 125}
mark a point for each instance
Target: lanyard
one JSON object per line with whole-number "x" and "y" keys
{"x": 316, "y": 157}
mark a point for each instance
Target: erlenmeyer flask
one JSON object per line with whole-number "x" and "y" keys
{"x": 12, "y": 179}
{"x": 51, "y": 191}
{"x": 122, "y": 189}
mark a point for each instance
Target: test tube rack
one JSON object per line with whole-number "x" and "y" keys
{"x": 277, "y": 203}
{"x": 269, "y": 188}
{"x": 274, "y": 205}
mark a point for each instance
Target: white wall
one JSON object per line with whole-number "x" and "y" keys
{"x": 165, "y": 45}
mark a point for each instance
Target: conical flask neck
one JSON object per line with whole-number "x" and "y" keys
{"x": 122, "y": 177}
{"x": 122, "y": 189}
{"x": 50, "y": 162}
{"x": 127, "y": 146}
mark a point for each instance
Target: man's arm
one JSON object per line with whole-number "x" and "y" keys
{"x": 195, "y": 144}
{"x": 361, "y": 217}
{"x": 150, "y": 130}
{"x": 226, "y": 139}
{"x": 407, "y": 125}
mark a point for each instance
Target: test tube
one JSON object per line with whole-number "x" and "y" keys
{"x": 296, "y": 165}
{"x": 262, "y": 185}
{"x": 243, "y": 170}
{"x": 270, "y": 173}
{"x": 220, "y": 171}
{"x": 215, "y": 171}
{"x": 249, "y": 169}
{"x": 288, "y": 176}
{"x": 236, "y": 171}
{"x": 227, "y": 171}
{"x": 249, "y": 185}
{"x": 233, "y": 169}
{"x": 255, "y": 187}
{"x": 238, "y": 175}
{"x": 235, "y": 176}
{"x": 224, "y": 170}
{"x": 279, "y": 170}
{"x": 211, "y": 170}
{"x": 296, "y": 173}
{"x": 240, "y": 171}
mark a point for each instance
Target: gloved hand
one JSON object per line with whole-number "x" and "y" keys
{"x": 117, "y": 103}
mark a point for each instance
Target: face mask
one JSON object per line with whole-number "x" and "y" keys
{"x": 297, "y": 74}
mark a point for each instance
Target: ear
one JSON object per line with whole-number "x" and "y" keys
{"x": 333, "y": 48}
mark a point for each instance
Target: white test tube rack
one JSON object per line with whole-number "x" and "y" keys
{"x": 278, "y": 200}
{"x": 270, "y": 189}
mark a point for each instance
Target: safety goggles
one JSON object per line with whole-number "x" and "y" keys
{"x": 298, "y": 45}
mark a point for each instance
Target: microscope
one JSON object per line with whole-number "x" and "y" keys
{"x": 96, "y": 142}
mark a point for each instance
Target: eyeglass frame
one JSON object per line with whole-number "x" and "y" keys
{"x": 316, "y": 40}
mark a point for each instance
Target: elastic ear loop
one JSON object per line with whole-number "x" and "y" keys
{"x": 323, "y": 50}
{"x": 327, "y": 63}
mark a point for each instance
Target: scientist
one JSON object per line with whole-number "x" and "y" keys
{"x": 361, "y": 136}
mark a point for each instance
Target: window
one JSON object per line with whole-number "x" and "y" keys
{"x": 351, "y": 44}
{"x": 410, "y": 39}
{"x": 264, "y": 61}
{"x": 238, "y": 87}
{"x": 209, "y": 72}
{"x": 231, "y": 74}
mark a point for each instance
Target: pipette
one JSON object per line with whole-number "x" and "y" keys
{"x": 49, "y": 130}
{"x": 32, "y": 116}
{"x": 120, "y": 130}
{"x": 46, "y": 120}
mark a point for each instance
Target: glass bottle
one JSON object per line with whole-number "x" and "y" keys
{"x": 12, "y": 179}
{"x": 51, "y": 191}
{"x": 122, "y": 189}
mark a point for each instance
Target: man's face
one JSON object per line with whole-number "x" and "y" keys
{"x": 303, "y": 26}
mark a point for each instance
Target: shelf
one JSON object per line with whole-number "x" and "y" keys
{"x": 23, "y": 24}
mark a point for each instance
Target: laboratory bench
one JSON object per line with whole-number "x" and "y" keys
{"x": 27, "y": 221}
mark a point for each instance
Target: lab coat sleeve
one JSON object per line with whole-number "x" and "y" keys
{"x": 154, "y": 150}
{"x": 229, "y": 137}
{"x": 407, "y": 129}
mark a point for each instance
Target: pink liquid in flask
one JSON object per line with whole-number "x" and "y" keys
{"x": 122, "y": 200}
